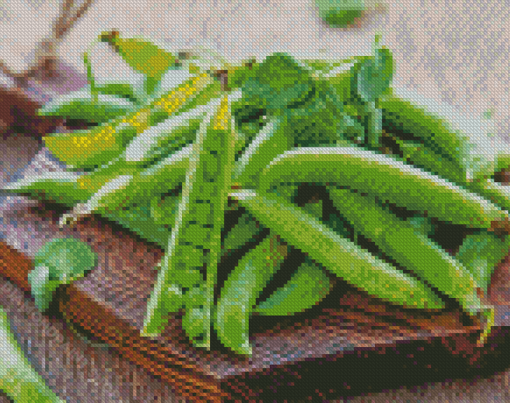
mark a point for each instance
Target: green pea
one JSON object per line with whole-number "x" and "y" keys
{"x": 399, "y": 183}
{"x": 480, "y": 253}
{"x": 241, "y": 289}
{"x": 336, "y": 254}
{"x": 307, "y": 287}
{"x": 409, "y": 248}
{"x": 18, "y": 379}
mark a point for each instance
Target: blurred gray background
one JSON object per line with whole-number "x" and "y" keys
{"x": 452, "y": 51}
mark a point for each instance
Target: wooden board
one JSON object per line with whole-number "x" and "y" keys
{"x": 348, "y": 345}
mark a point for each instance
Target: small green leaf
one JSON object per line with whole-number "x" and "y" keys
{"x": 81, "y": 105}
{"x": 278, "y": 82}
{"x": 60, "y": 261}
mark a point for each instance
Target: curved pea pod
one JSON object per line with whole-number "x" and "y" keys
{"x": 424, "y": 157}
{"x": 57, "y": 187}
{"x": 409, "y": 248}
{"x": 89, "y": 149}
{"x": 141, "y": 55}
{"x": 81, "y": 105}
{"x": 125, "y": 190}
{"x": 410, "y": 113}
{"x": 336, "y": 254}
{"x": 308, "y": 286}
{"x": 154, "y": 144}
{"x": 193, "y": 252}
{"x": 274, "y": 139}
{"x": 399, "y": 183}
{"x": 119, "y": 89}
{"x": 241, "y": 289}
{"x": 480, "y": 253}
{"x": 18, "y": 379}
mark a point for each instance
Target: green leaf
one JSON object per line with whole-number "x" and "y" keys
{"x": 375, "y": 75}
{"x": 340, "y": 13}
{"x": 60, "y": 261}
{"x": 81, "y": 105}
{"x": 278, "y": 82}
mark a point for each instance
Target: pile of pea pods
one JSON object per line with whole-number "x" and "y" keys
{"x": 170, "y": 159}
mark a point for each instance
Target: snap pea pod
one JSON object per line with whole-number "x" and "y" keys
{"x": 18, "y": 379}
{"x": 409, "y": 248}
{"x": 149, "y": 147}
{"x": 336, "y": 254}
{"x": 424, "y": 157}
{"x": 402, "y": 184}
{"x": 195, "y": 243}
{"x": 308, "y": 286}
{"x": 82, "y": 105}
{"x": 241, "y": 289}
{"x": 480, "y": 253}
{"x": 89, "y": 149}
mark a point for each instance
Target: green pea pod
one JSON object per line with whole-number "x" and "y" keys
{"x": 56, "y": 187}
{"x": 340, "y": 13}
{"x": 89, "y": 149}
{"x": 307, "y": 287}
{"x": 480, "y": 253}
{"x": 119, "y": 89}
{"x": 336, "y": 254}
{"x": 241, "y": 289}
{"x": 18, "y": 379}
{"x": 60, "y": 261}
{"x": 436, "y": 133}
{"x": 424, "y": 157}
{"x": 272, "y": 140}
{"x": 401, "y": 184}
{"x": 151, "y": 146}
{"x": 409, "y": 248}
{"x": 195, "y": 243}
{"x": 81, "y": 105}
{"x": 141, "y": 55}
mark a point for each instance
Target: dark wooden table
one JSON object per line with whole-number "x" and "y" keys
{"x": 351, "y": 345}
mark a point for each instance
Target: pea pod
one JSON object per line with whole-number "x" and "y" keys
{"x": 151, "y": 146}
{"x": 411, "y": 249}
{"x": 90, "y": 149}
{"x": 401, "y": 184}
{"x": 480, "y": 253}
{"x": 81, "y": 105}
{"x": 196, "y": 236}
{"x": 18, "y": 379}
{"x": 340, "y": 13}
{"x": 424, "y": 157}
{"x": 308, "y": 285}
{"x": 241, "y": 289}
{"x": 338, "y": 255}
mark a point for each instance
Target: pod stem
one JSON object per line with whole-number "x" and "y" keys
{"x": 488, "y": 317}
